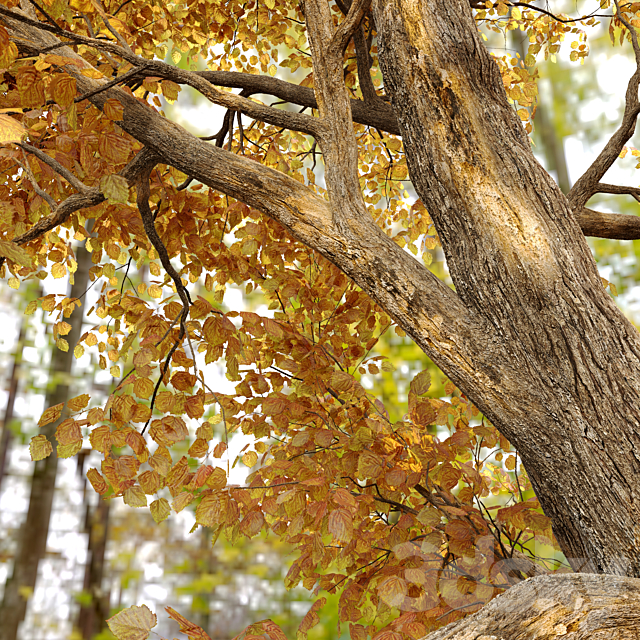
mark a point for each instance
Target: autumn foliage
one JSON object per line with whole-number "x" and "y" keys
{"x": 415, "y": 522}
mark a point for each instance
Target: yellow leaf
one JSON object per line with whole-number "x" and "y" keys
{"x": 40, "y": 448}
{"x": 14, "y": 283}
{"x": 51, "y": 414}
{"x": 218, "y": 479}
{"x": 160, "y": 510}
{"x": 181, "y": 501}
{"x": 133, "y": 623}
{"x": 113, "y": 109}
{"x": 155, "y": 291}
{"x": 250, "y": 458}
{"x": 64, "y": 90}
{"x": 31, "y": 308}
{"x": 341, "y": 525}
{"x": 273, "y": 70}
{"x": 97, "y": 481}
{"x": 62, "y": 344}
{"x": 58, "y": 270}
{"x": 78, "y": 403}
{"x": 14, "y": 252}
{"x": 115, "y": 371}
{"x": 11, "y": 130}
{"x": 524, "y": 114}
{"x": 91, "y": 73}
{"x": 134, "y": 497}
{"x": 176, "y": 56}
{"x": 78, "y": 351}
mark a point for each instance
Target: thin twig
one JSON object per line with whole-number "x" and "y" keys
{"x": 112, "y": 83}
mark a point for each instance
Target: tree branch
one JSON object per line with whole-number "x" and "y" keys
{"x": 77, "y": 184}
{"x": 615, "y": 189}
{"x": 587, "y": 184}
{"x": 614, "y": 226}
{"x": 277, "y": 117}
{"x": 379, "y": 115}
{"x": 88, "y": 197}
{"x": 348, "y": 26}
{"x": 428, "y": 310}
{"x": 147, "y": 220}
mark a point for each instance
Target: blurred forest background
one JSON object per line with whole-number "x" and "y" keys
{"x": 100, "y": 556}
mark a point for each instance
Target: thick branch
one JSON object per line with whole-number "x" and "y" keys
{"x": 614, "y": 226}
{"x": 578, "y": 606}
{"x": 430, "y": 312}
{"x": 349, "y": 25}
{"x": 363, "y": 59}
{"x": 380, "y": 115}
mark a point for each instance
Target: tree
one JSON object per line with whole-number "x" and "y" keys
{"x": 529, "y": 335}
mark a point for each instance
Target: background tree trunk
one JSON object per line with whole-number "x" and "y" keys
{"x": 32, "y": 541}
{"x": 6, "y": 437}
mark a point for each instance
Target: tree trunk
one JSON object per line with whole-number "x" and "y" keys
{"x": 92, "y": 616}
{"x": 7, "y": 436}
{"x": 32, "y": 542}
{"x": 565, "y": 389}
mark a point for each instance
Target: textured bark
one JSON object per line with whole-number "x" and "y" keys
{"x": 568, "y": 396}
{"x": 575, "y": 607}
{"x": 32, "y": 542}
{"x": 530, "y": 335}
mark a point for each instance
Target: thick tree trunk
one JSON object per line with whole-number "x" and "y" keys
{"x": 567, "y": 395}
{"x": 32, "y": 542}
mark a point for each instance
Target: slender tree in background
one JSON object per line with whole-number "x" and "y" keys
{"x": 6, "y": 436}
{"x": 399, "y": 89}
{"x": 32, "y": 538}
{"x": 94, "y": 606}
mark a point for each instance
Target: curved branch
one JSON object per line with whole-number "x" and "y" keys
{"x": 587, "y": 184}
{"x": 147, "y": 220}
{"x": 379, "y": 115}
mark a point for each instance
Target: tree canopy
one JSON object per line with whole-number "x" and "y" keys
{"x": 397, "y": 135}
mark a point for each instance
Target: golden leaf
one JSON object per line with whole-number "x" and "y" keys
{"x": 133, "y": 623}
{"x": 40, "y": 448}
{"x": 11, "y": 130}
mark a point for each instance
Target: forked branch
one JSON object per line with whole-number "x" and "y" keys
{"x": 587, "y": 185}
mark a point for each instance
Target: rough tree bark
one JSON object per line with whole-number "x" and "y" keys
{"x": 529, "y": 334}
